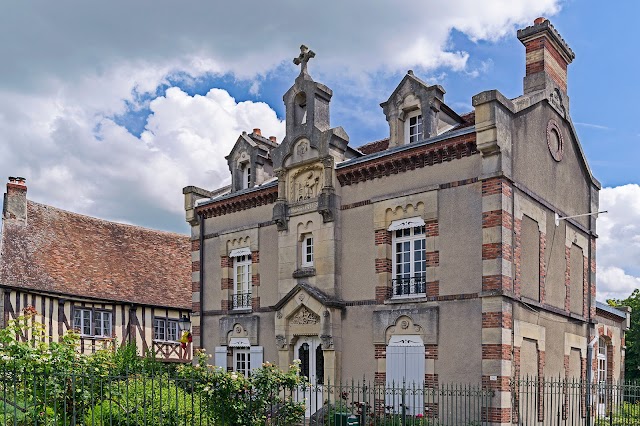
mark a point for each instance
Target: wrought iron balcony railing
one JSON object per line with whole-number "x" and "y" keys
{"x": 410, "y": 286}
{"x": 241, "y": 301}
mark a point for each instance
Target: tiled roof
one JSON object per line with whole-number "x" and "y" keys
{"x": 376, "y": 146}
{"x": 67, "y": 253}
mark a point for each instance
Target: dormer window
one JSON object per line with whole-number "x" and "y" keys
{"x": 246, "y": 176}
{"x": 413, "y": 127}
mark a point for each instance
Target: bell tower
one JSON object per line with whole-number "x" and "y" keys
{"x": 304, "y": 161}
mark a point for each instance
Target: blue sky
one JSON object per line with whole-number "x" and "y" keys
{"x": 109, "y": 109}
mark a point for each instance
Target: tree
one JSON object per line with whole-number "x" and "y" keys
{"x": 632, "y": 339}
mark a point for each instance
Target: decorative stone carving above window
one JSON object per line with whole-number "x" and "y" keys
{"x": 304, "y": 317}
{"x": 411, "y": 222}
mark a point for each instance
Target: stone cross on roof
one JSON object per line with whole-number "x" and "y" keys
{"x": 303, "y": 58}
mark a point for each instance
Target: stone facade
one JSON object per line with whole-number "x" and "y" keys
{"x": 495, "y": 288}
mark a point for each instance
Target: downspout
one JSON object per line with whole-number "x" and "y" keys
{"x": 589, "y": 377}
{"x": 589, "y": 302}
{"x": 201, "y": 238}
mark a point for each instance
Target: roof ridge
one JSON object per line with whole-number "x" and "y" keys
{"x": 98, "y": 219}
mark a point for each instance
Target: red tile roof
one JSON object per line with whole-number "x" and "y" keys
{"x": 72, "y": 254}
{"x": 376, "y": 146}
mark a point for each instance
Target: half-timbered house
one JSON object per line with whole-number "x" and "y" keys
{"x": 108, "y": 281}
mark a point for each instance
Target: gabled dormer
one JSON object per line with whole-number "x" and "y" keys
{"x": 416, "y": 111}
{"x": 250, "y": 160}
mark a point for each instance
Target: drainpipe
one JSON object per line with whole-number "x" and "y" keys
{"x": 589, "y": 376}
{"x": 201, "y": 239}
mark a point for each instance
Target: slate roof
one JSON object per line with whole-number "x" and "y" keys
{"x": 75, "y": 255}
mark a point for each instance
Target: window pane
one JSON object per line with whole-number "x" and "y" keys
{"x": 86, "y": 322}
{"x": 172, "y": 331}
{"x": 77, "y": 320}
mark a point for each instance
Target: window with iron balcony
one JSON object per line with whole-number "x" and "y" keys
{"x": 241, "y": 298}
{"x": 409, "y": 263}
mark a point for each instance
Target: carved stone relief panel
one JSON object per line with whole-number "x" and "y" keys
{"x": 305, "y": 183}
{"x": 304, "y": 317}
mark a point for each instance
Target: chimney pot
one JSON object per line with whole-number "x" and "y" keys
{"x": 273, "y": 139}
{"x": 539, "y": 20}
{"x": 257, "y": 131}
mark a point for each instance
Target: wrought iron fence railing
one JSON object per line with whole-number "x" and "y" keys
{"x": 160, "y": 398}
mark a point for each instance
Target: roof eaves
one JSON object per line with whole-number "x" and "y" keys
{"x": 610, "y": 309}
{"x": 240, "y": 192}
{"x": 380, "y": 154}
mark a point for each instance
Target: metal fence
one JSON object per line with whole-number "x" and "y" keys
{"x": 30, "y": 398}
{"x": 572, "y": 402}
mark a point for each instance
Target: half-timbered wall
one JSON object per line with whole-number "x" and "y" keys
{"x": 129, "y": 322}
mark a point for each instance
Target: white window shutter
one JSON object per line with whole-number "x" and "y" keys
{"x": 256, "y": 356}
{"x": 414, "y": 361}
{"x": 220, "y": 357}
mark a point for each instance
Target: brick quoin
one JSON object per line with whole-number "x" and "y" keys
{"x": 497, "y": 218}
{"x": 195, "y": 307}
{"x": 496, "y": 282}
{"x": 195, "y": 266}
{"x": 431, "y": 380}
{"x": 195, "y": 245}
{"x": 431, "y": 351}
{"x": 225, "y": 305}
{"x": 255, "y": 303}
{"x": 255, "y": 280}
{"x": 383, "y": 293}
{"x": 195, "y": 330}
{"x": 195, "y": 286}
{"x": 495, "y": 251}
{"x": 380, "y": 351}
{"x": 502, "y": 383}
{"x": 497, "y": 320}
{"x": 431, "y": 228}
{"x": 497, "y": 415}
{"x": 585, "y": 287}
{"x": 382, "y": 236}
{"x": 380, "y": 377}
{"x": 496, "y": 351}
{"x": 432, "y": 258}
{"x": 383, "y": 265}
{"x": 225, "y": 262}
{"x": 226, "y": 283}
{"x": 433, "y": 288}
{"x": 255, "y": 257}
{"x": 496, "y": 186}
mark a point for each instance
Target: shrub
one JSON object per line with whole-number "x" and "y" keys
{"x": 152, "y": 401}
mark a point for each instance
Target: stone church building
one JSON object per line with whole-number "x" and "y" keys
{"x": 447, "y": 252}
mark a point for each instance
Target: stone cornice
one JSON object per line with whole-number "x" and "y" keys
{"x": 398, "y": 162}
{"x": 243, "y": 201}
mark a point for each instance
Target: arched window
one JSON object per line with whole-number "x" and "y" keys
{"x": 319, "y": 365}
{"x": 303, "y": 356}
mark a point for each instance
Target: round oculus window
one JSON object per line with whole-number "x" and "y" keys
{"x": 555, "y": 140}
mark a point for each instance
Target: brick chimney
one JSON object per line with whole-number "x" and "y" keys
{"x": 257, "y": 131}
{"x": 15, "y": 200}
{"x": 273, "y": 139}
{"x": 548, "y": 56}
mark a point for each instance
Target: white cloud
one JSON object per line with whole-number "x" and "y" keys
{"x": 618, "y": 270}
{"x": 120, "y": 176}
{"x": 614, "y": 283}
{"x": 67, "y": 67}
